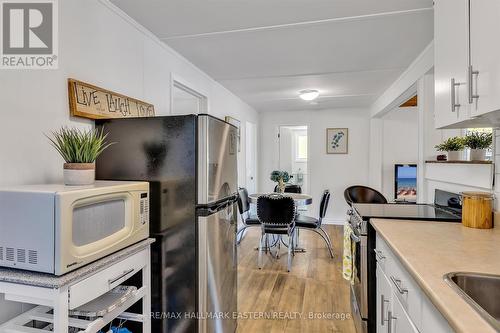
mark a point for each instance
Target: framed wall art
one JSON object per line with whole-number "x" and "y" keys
{"x": 237, "y": 123}
{"x": 337, "y": 140}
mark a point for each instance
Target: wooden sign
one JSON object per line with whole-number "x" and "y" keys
{"x": 88, "y": 101}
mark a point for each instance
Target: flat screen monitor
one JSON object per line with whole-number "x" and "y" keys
{"x": 405, "y": 182}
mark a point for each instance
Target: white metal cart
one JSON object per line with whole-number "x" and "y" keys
{"x": 56, "y": 296}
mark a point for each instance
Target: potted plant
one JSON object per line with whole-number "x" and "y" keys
{"x": 453, "y": 148}
{"x": 478, "y": 144}
{"x": 79, "y": 149}
{"x": 281, "y": 177}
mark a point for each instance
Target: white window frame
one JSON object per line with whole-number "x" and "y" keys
{"x": 297, "y": 157}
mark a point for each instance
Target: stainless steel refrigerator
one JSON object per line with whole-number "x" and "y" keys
{"x": 190, "y": 163}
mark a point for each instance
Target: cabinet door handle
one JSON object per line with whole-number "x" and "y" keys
{"x": 397, "y": 284}
{"x": 454, "y": 104}
{"x": 390, "y": 318}
{"x": 470, "y": 84}
{"x": 382, "y": 310}
{"x": 379, "y": 254}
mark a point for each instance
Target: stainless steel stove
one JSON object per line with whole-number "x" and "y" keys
{"x": 446, "y": 208}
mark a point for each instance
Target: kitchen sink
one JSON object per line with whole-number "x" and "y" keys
{"x": 481, "y": 291}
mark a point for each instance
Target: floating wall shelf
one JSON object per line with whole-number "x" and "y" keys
{"x": 475, "y": 174}
{"x": 461, "y": 162}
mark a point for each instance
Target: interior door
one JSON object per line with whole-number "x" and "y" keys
{"x": 293, "y": 156}
{"x": 218, "y": 270}
{"x": 251, "y": 157}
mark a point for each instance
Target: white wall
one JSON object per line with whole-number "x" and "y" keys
{"x": 400, "y": 144}
{"x": 334, "y": 172}
{"x": 100, "y": 45}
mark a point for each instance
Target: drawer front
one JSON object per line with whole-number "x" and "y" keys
{"x": 105, "y": 280}
{"x": 383, "y": 254}
{"x": 408, "y": 292}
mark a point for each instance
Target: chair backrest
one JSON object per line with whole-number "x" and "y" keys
{"x": 363, "y": 194}
{"x": 323, "y": 206}
{"x": 293, "y": 189}
{"x": 290, "y": 189}
{"x": 243, "y": 200}
{"x": 276, "y": 210}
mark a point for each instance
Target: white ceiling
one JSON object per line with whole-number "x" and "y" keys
{"x": 265, "y": 51}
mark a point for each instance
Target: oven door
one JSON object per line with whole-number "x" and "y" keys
{"x": 359, "y": 290}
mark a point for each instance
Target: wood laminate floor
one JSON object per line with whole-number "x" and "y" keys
{"x": 273, "y": 300}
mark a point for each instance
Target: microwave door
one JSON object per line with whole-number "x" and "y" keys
{"x": 217, "y": 160}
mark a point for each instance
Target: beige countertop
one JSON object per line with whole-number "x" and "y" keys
{"x": 429, "y": 250}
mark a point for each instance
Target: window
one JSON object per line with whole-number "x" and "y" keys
{"x": 301, "y": 148}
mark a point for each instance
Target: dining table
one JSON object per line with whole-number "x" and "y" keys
{"x": 299, "y": 199}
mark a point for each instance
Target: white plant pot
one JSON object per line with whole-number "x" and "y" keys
{"x": 478, "y": 154}
{"x": 454, "y": 155}
{"x": 79, "y": 173}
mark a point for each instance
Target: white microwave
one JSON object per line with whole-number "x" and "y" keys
{"x": 55, "y": 228}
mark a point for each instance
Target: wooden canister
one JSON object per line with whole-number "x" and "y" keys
{"x": 477, "y": 210}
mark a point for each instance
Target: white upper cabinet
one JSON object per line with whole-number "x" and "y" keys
{"x": 466, "y": 62}
{"x": 450, "y": 62}
{"x": 485, "y": 56}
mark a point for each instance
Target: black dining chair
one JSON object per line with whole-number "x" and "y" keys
{"x": 290, "y": 189}
{"x": 277, "y": 217}
{"x": 315, "y": 224}
{"x": 244, "y": 210}
{"x": 363, "y": 194}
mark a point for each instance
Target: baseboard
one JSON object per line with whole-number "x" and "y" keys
{"x": 334, "y": 221}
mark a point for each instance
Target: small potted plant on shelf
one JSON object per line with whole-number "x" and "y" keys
{"x": 453, "y": 147}
{"x": 79, "y": 149}
{"x": 478, "y": 143}
{"x": 281, "y": 177}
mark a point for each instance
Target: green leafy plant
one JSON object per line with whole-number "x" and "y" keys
{"x": 79, "y": 146}
{"x": 452, "y": 144}
{"x": 277, "y": 175}
{"x": 476, "y": 140}
{"x": 336, "y": 139}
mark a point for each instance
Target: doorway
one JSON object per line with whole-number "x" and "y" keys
{"x": 185, "y": 100}
{"x": 294, "y": 154}
{"x": 251, "y": 157}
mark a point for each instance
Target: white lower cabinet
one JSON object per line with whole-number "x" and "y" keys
{"x": 399, "y": 320}
{"x": 392, "y": 316}
{"x": 384, "y": 298}
{"x": 402, "y": 307}
{"x": 430, "y": 321}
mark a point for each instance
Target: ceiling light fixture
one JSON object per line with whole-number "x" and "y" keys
{"x": 308, "y": 94}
